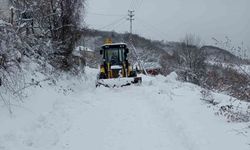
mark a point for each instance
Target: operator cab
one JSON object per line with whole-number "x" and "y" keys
{"x": 114, "y": 54}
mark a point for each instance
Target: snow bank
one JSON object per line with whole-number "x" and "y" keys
{"x": 161, "y": 114}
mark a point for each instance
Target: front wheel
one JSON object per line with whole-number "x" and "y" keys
{"x": 133, "y": 74}
{"x": 102, "y": 76}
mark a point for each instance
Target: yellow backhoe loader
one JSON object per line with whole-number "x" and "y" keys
{"x": 115, "y": 70}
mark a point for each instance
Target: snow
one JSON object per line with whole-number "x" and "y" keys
{"x": 82, "y": 48}
{"x": 3, "y": 23}
{"x": 116, "y": 82}
{"x": 152, "y": 65}
{"x": 12, "y": 7}
{"x": 116, "y": 67}
{"x": 161, "y": 114}
{"x": 114, "y": 44}
{"x": 241, "y": 68}
{"x": 79, "y": 50}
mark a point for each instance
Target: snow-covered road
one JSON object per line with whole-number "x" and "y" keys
{"x": 161, "y": 114}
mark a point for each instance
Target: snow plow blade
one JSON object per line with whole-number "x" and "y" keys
{"x": 118, "y": 82}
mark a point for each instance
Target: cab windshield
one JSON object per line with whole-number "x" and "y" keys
{"x": 114, "y": 55}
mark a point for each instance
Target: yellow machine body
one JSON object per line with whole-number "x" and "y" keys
{"x": 115, "y": 66}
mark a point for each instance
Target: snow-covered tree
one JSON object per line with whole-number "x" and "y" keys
{"x": 57, "y": 20}
{"x": 191, "y": 58}
{"x": 42, "y": 32}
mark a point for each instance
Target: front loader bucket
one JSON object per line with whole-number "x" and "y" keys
{"x": 118, "y": 82}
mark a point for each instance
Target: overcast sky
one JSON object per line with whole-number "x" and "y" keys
{"x": 171, "y": 19}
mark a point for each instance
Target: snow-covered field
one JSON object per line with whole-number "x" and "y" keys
{"x": 161, "y": 114}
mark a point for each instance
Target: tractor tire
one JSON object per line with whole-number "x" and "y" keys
{"x": 102, "y": 76}
{"x": 133, "y": 74}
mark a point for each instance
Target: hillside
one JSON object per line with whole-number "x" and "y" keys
{"x": 220, "y": 55}
{"x": 149, "y": 50}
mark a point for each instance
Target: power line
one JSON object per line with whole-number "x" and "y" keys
{"x": 119, "y": 24}
{"x": 137, "y": 4}
{"x": 108, "y": 15}
{"x": 113, "y": 23}
{"x": 132, "y": 4}
{"x": 152, "y": 31}
{"x": 140, "y": 4}
{"x": 153, "y": 27}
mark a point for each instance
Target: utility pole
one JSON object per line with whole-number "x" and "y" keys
{"x": 131, "y": 19}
